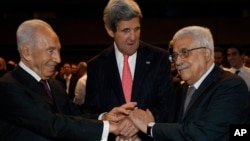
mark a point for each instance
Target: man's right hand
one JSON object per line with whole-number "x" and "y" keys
{"x": 118, "y": 113}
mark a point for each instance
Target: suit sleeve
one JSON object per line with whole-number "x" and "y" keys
{"x": 22, "y": 108}
{"x": 223, "y": 105}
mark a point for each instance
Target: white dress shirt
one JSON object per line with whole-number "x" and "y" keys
{"x": 80, "y": 90}
{"x": 244, "y": 73}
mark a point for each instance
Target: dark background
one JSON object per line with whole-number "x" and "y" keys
{"x": 81, "y": 31}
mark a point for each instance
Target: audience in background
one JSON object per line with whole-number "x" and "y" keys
{"x": 247, "y": 61}
{"x": 11, "y": 65}
{"x": 80, "y": 90}
{"x": 68, "y": 80}
{"x": 74, "y": 69}
{"x": 219, "y": 56}
{"x": 235, "y": 57}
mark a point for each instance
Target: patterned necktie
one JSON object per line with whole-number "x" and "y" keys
{"x": 126, "y": 79}
{"x": 190, "y": 93}
{"x": 46, "y": 87}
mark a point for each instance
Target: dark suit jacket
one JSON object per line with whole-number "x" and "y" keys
{"x": 152, "y": 83}
{"x": 28, "y": 114}
{"x": 221, "y": 100}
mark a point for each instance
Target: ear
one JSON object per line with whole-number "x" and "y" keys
{"x": 109, "y": 31}
{"x": 25, "y": 52}
{"x": 208, "y": 54}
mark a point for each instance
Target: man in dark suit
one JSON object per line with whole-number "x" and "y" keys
{"x": 219, "y": 99}
{"x": 30, "y": 111}
{"x": 68, "y": 80}
{"x": 149, "y": 66}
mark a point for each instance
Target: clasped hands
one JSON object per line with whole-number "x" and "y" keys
{"x": 127, "y": 120}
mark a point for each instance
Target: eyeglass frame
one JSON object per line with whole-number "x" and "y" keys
{"x": 184, "y": 53}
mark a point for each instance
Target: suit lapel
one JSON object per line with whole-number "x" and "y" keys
{"x": 30, "y": 83}
{"x": 112, "y": 72}
{"x": 142, "y": 65}
{"x": 206, "y": 85}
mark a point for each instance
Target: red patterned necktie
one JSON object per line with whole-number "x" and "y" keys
{"x": 46, "y": 87}
{"x": 126, "y": 79}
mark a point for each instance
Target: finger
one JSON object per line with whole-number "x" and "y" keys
{"x": 150, "y": 113}
{"x": 129, "y": 128}
{"x": 129, "y": 105}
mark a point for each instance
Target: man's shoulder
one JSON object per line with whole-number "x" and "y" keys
{"x": 246, "y": 69}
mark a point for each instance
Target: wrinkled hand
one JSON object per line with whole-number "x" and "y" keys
{"x": 141, "y": 118}
{"x": 133, "y": 138}
{"x": 127, "y": 128}
{"x": 118, "y": 113}
{"x": 124, "y": 128}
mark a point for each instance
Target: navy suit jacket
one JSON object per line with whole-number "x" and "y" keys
{"x": 152, "y": 84}
{"x": 28, "y": 114}
{"x": 221, "y": 100}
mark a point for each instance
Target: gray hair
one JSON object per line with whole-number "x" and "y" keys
{"x": 117, "y": 10}
{"x": 27, "y": 32}
{"x": 202, "y": 36}
{"x": 82, "y": 65}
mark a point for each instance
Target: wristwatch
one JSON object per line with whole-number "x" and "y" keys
{"x": 149, "y": 129}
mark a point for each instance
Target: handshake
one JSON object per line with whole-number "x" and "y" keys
{"x": 125, "y": 121}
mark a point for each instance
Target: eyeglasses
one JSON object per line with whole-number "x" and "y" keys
{"x": 184, "y": 53}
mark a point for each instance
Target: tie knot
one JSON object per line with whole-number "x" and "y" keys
{"x": 43, "y": 81}
{"x": 237, "y": 71}
{"x": 191, "y": 90}
{"x": 125, "y": 58}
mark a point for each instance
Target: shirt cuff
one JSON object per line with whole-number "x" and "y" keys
{"x": 100, "y": 116}
{"x": 105, "y": 131}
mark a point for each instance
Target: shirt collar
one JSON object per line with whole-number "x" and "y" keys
{"x": 31, "y": 72}
{"x": 198, "y": 83}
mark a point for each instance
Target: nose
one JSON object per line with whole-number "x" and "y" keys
{"x": 57, "y": 57}
{"x": 132, "y": 35}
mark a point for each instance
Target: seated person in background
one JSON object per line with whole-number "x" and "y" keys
{"x": 219, "y": 98}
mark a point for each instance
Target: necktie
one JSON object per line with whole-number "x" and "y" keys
{"x": 46, "y": 87}
{"x": 190, "y": 92}
{"x": 126, "y": 79}
{"x": 237, "y": 71}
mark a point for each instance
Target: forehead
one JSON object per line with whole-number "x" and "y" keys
{"x": 183, "y": 42}
{"x": 218, "y": 53}
{"x": 134, "y": 22}
{"x": 232, "y": 50}
{"x": 66, "y": 65}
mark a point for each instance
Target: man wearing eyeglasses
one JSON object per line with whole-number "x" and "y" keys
{"x": 218, "y": 98}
